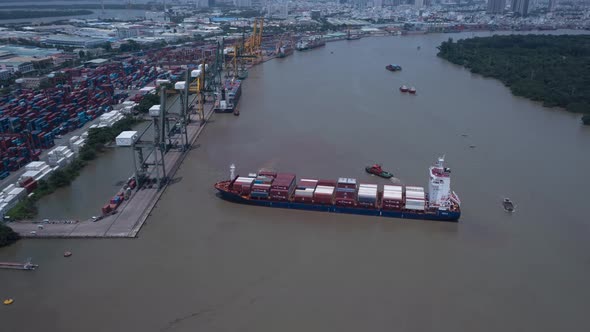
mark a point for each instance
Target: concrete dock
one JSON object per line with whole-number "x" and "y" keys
{"x": 131, "y": 214}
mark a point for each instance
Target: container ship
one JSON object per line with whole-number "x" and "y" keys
{"x": 282, "y": 190}
{"x": 227, "y": 99}
{"x": 284, "y": 51}
{"x": 310, "y": 43}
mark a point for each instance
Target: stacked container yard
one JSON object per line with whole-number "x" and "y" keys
{"x": 9, "y": 197}
{"x": 367, "y": 195}
{"x": 29, "y": 119}
{"x": 346, "y": 192}
{"x": 60, "y": 156}
{"x": 415, "y": 198}
{"x": 109, "y": 119}
{"x": 392, "y": 197}
{"x": 243, "y": 185}
{"x": 282, "y": 186}
{"x": 304, "y": 190}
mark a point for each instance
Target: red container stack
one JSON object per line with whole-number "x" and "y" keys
{"x": 282, "y": 186}
{"x": 106, "y": 209}
{"x": 31, "y": 186}
{"x": 346, "y": 194}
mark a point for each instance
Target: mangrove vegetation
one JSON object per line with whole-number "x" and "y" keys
{"x": 7, "y": 235}
{"x": 554, "y": 70}
{"x": 18, "y": 14}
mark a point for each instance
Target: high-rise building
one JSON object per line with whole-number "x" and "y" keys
{"x": 202, "y": 3}
{"x": 378, "y": 3}
{"x": 285, "y": 9}
{"x": 211, "y": 3}
{"x": 419, "y": 3}
{"x": 496, "y": 6}
{"x": 521, "y": 7}
{"x": 552, "y": 5}
{"x": 243, "y": 3}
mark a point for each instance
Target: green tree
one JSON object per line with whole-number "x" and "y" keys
{"x": 7, "y": 235}
{"x": 148, "y": 101}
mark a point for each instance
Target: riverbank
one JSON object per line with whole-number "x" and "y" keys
{"x": 549, "y": 69}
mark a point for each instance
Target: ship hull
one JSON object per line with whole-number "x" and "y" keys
{"x": 439, "y": 215}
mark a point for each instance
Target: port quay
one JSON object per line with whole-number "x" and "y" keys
{"x": 131, "y": 214}
{"x": 125, "y": 218}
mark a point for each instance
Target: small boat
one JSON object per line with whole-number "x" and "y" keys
{"x": 412, "y": 90}
{"x": 392, "y": 67}
{"x": 67, "y": 254}
{"x": 8, "y": 301}
{"x": 403, "y": 88}
{"x": 508, "y": 205}
{"x": 377, "y": 170}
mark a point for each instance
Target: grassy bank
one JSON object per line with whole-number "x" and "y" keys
{"x": 95, "y": 144}
{"x": 550, "y": 69}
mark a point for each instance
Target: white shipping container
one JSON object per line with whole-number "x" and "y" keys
{"x": 154, "y": 110}
{"x": 366, "y": 185}
{"x": 325, "y": 187}
{"x": 126, "y": 138}
{"x": 412, "y": 188}
{"x": 18, "y": 193}
{"x": 29, "y": 174}
{"x": 8, "y": 189}
{"x": 196, "y": 73}
{"x": 180, "y": 85}
{"x": 415, "y": 195}
{"x": 303, "y": 193}
{"x": 392, "y": 188}
{"x": 34, "y": 166}
{"x": 309, "y": 180}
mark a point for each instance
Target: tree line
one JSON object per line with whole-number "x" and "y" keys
{"x": 551, "y": 69}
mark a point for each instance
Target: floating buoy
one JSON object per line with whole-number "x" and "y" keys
{"x": 8, "y": 301}
{"x": 67, "y": 254}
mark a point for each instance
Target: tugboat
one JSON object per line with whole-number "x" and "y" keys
{"x": 508, "y": 205}
{"x": 391, "y": 67}
{"x": 377, "y": 170}
{"x": 403, "y": 88}
{"x": 412, "y": 90}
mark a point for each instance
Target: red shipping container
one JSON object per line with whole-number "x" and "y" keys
{"x": 31, "y": 187}
{"x": 106, "y": 209}
{"x": 267, "y": 173}
{"x": 330, "y": 183}
{"x": 345, "y": 202}
{"x": 26, "y": 181}
{"x": 366, "y": 204}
